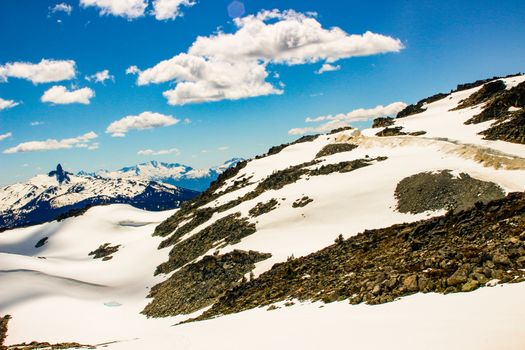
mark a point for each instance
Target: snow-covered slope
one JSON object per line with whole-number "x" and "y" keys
{"x": 171, "y": 173}
{"x": 45, "y": 197}
{"x": 58, "y": 293}
{"x": 287, "y": 205}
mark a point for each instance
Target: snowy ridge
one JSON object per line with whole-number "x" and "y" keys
{"x": 170, "y": 173}
{"x": 44, "y": 198}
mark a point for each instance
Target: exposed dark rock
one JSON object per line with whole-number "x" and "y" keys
{"x": 104, "y": 252}
{"x": 334, "y": 148}
{"x": 510, "y": 129}
{"x": 344, "y": 128}
{"x": 4, "y": 320}
{"x": 393, "y": 131}
{"x": 276, "y": 149}
{"x": 301, "y": 202}
{"x": 382, "y": 122}
{"x": 434, "y": 191}
{"x": 281, "y": 178}
{"x": 498, "y": 106}
{"x": 344, "y": 167}
{"x": 263, "y": 208}
{"x": 484, "y": 94}
{"x": 60, "y": 174}
{"x": 200, "y": 284}
{"x": 48, "y": 346}
{"x": 396, "y": 131}
{"x": 228, "y": 230}
{"x": 462, "y": 87}
{"x": 454, "y": 255}
{"x": 41, "y": 242}
{"x": 418, "y": 107}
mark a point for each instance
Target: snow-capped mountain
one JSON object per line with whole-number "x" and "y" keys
{"x": 418, "y": 215}
{"x": 48, "y": 196}
{"x": 171, "y": 173}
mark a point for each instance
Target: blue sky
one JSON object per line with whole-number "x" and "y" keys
{"x": 441, "y": 44}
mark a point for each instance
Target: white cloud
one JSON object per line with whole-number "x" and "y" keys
{"x": 60, "y": 95}
{"x": 62, "y": 7}
{"x": 233, "y": 65}
{"x": 46, "y": 71}
{"x": 201, "y": 79}
{"x": 5, "y": 136}
{"x": 5, "y": 104}
{"x": 169, "y": 9}
{"x": 36, "y": 123}
{"x": 132, "y": 70}
{"x": 223, "y": 148}
{"x": 83, "y": 141}
{"x": 344, "y": 119}
{"x": 100, "y": 77}
{"x": 143, "y": 121}
{"x": 327, "y": 67}
{"x": 150, "y": 152}
{"x": 129, "y": 9}
{"x": 93, "y": 146}
{"x": 291, "y": 38}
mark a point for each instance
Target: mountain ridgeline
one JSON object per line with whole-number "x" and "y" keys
{"x": 60, "y": 193}
{"x": 418, "y": 203}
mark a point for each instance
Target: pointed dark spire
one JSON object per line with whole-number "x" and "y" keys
{"x": 60, "y": 174}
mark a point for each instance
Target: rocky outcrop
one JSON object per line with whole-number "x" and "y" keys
{"x": 458, "y": 252}
{"x": 60, "y": 174}
{"x": 4, "y": 320}
{"x": 419, "y": 106}
{"x": 302, "y": 202}
{"x": 382, "y": 122}
{"x": 200, "y": 284}
{"x": 228, "y": 230}
{"x": 334, "y": 148}
{"x": 105, "y": 251}
{"x": 483, "y": 95}
{"x": 441, "y": 190}
{"x": 263, "y": 208}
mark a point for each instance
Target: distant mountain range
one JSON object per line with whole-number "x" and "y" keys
{"x": 175, "y": 174}
{"x": 46, "y": 197}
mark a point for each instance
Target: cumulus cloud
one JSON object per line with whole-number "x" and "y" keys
{"x": 60, "y": 95}
{"x": 292, "y": 38}
{"x": 46, "y": 71}
{"x": 169, "y": 9}
{"x": 344, "y": 119}
{"x": 132, "y": 70}
{"x": 5, "y": 136}
{"x": 203, "y": 79}
{"x": 233, "y": 65}
{"x": 82, "y": 141}
{"x": 150, "y": 152}
{"x": 5, "y": 104}
{"x": 327, "y": 67}
{"x": 62, "y": 7}
{"x": 129, "y": 9}
{"x": 143, "y": 121}
{"x": 100, "y": 77}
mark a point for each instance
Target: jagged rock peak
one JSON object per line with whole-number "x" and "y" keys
{"x": 60, "y": 174}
